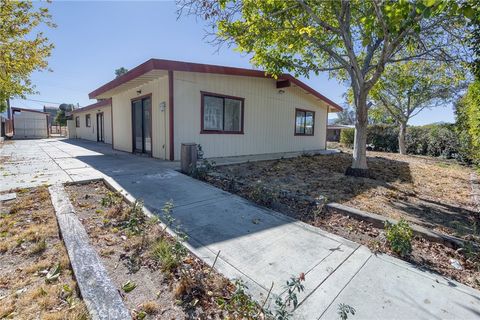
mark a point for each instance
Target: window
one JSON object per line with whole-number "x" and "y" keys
{"x": 222, "y": 114}
{"x": 88, "y": 121}
{"x": 77, "y": 122}
{"x": 304, "y": 122}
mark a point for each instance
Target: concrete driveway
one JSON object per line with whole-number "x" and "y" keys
{"x": 257, "y": 245}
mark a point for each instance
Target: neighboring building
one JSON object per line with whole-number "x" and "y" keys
{"x": 229, "y": 111}
{"x": 52, "y": 111}
{"x": 92, "y": 122}
{"x": 29, "y": 123}
{"x": 334, "y": 131}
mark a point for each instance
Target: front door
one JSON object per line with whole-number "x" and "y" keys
{"x": 100, "y": 128}
{"x": 142, "y": 125}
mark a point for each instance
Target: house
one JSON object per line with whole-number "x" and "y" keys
{"x": 29, "y": 123}
{"x": 92, "y": 122}
{"x": 160, "y": 104}
{"x": 334, "y": 131}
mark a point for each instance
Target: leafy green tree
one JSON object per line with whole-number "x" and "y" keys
{"x": 407, "y": 88}
{"x": 468, "y": 121}
{"x": 120, "y": 71}
{"x": 61, "y": 117}
{"x": 23, "y": 49}
{"x": 353, "y": 40}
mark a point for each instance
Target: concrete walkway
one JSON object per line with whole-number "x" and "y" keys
{"x": 256, "y": 244}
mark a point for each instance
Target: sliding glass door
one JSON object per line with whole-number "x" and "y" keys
{"x": 142, "y": 125}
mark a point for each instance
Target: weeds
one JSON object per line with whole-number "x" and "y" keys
{"x": 240, "y": 304}
{"x": 286, "y": 305}
{"x": 168, "y": 254}
{"x": 39, "y": 247}
{"x": 344, "y": 310}
{"x": 111, "y": 199}
{"x": 202, "y": 170}
{"x": 136, "y": 218}
{"x": 399, "y": 237}
{"x": 262, "y": 195}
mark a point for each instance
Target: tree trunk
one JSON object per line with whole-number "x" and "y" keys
{"x": 359, "y": 166}
{"x": 401, "y": 138}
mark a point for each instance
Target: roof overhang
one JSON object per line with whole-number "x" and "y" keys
{"x": 155, "y": 68}
{"x": 96, "y": 105}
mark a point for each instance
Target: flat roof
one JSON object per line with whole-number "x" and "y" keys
{"x": 28, "y": 110}
{"x": 160, "y": 64}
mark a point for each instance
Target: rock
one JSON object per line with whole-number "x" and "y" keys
{"x": 456, "y": 264}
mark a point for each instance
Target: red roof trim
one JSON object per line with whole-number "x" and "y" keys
{"x": 28, "y": 110}
{"x": 101, "y": 103}
{"x": 160, "y": 64}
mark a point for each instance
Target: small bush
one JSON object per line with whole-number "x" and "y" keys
{"x": 347, "y": 136}
{"x": 399, "y": 237}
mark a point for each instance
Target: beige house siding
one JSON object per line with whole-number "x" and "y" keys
{"x": 122, "y": 116}
{"x": 269, "y": 117}
{"x": 90, "y": 133}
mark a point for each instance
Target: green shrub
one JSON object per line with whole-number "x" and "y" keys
{"x": 436, "y": 140}
{"x": 399, "y": 237}
{"x": 383, "y": 137}
{"x": 347, "y": 136}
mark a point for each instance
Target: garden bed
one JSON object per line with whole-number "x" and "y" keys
{"x": 157, "y": 276}
{"x": 36, "y": 281}
{"x": 432, "y": 193}
{"x": 429, "y": 192}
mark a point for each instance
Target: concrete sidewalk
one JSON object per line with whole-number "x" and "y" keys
{"x": 256, "y": 244}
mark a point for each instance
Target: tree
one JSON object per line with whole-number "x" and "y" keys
{"x": 346, "y": 116}
{"x": 120, "y": 71}
{"x": 353, "y": 40}
{"x": 407, "y": 88}
{"x": 61, "y": 117}
{"x": 468, "y": 121}
{"x": 23, "y": 49}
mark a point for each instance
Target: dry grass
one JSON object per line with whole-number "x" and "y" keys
{"x": 431, "y": 192}
{"x": 31, "y": 246}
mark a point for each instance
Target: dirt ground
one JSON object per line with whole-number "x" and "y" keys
{"x": 189, "y": 290}
{"x": 30, "y": 247}
{"x": 430, "y": 192}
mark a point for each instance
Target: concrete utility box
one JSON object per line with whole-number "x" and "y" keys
{"x": 188, "y": 157}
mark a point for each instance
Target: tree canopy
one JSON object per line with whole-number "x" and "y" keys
{"x": 353, "y": 40}
{"x": 120, "y": 71}
{"x": 23, "y": 49}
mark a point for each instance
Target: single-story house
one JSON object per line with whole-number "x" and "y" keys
{"x": 334, "y": 131}
{"x": 160, "y": 104}
{"x": 93, "y": 122}
{"x": 29, "y": 123}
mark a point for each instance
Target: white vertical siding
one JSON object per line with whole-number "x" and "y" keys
{"x": 269, "y": 118}
{"x": 122, "y": 116}
{"x": 90, "y": 133}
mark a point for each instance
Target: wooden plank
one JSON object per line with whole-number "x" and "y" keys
{"x": 98, "y": 292}
{"x": 379, "y": 222}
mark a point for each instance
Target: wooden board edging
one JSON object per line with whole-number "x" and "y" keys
{"x": 379, "y": 222}
{"x": 100, "y": 295}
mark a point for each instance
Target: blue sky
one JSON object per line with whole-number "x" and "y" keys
{"x": 95, "y": 38}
